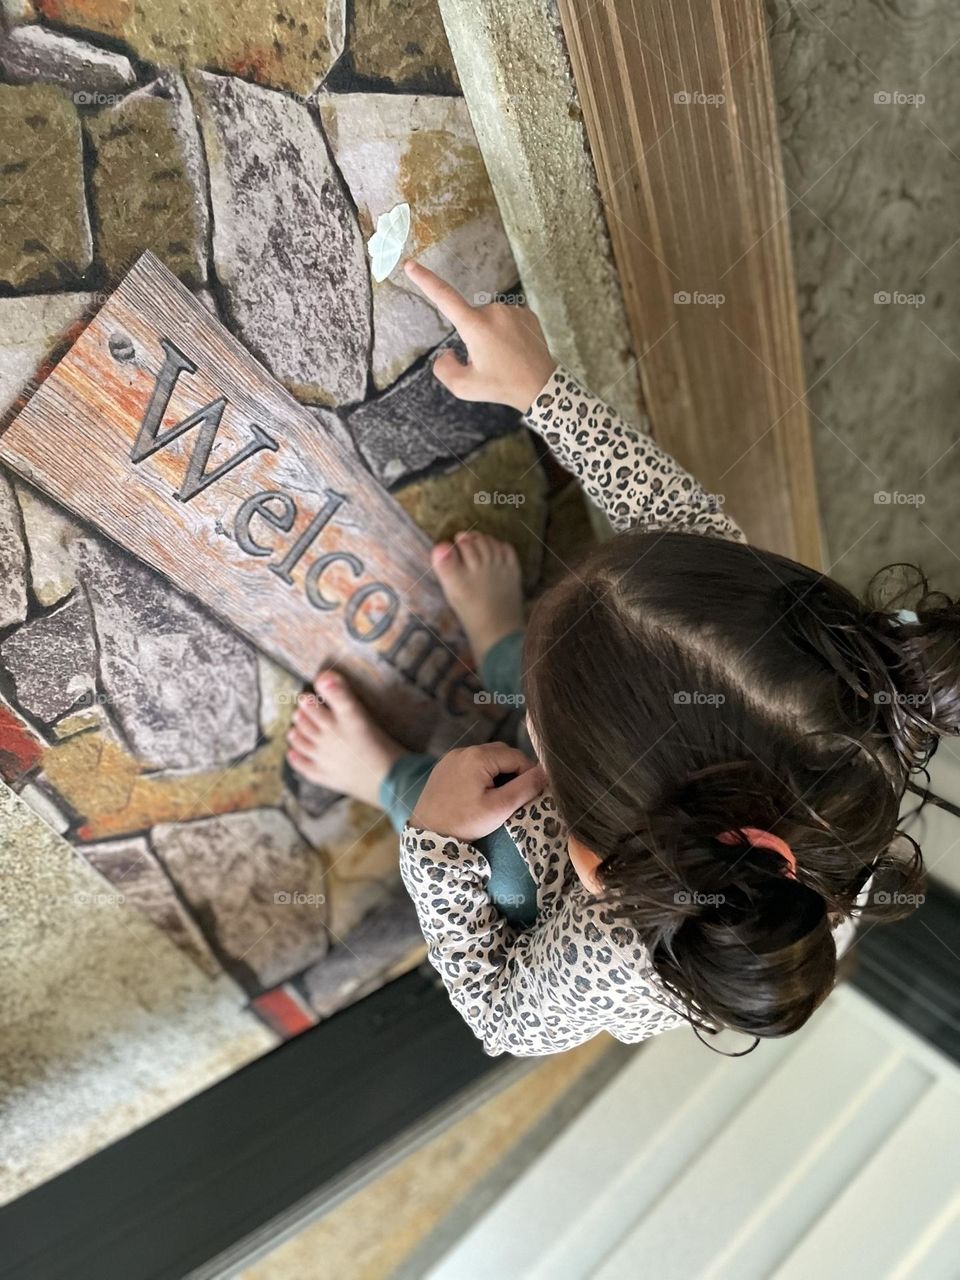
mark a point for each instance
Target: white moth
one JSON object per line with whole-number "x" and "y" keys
{"x": 386, "y": 244}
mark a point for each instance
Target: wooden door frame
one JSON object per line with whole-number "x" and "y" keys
{"x": 679, "y": 108}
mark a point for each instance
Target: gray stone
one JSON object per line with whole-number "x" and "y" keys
{"x": 387, "y": 937}
{"x": 405, "y": 327}
{"x": 418, "y": 424}
{"x": 311, "y": 798}
{"x": 53, "y": 660}
{"x": 332, "y": 425}
{"x": 279, "y": 693}
{"x": 51, "y": 534}
{"x": 30, "y": 330}
{"x": 182, "y": 686}
{"x": 359, "y": 849}
{"x": 13, "y": 559}
{"x": 29, "y": 53}
{"x": 312, "y": 826}
{"x": 286, "y": 245}
{"x": 133, "y": 869}
{"x": 208, "y": 300}
{"x": 397, "y": 148}
{"x": 256, "y": 887}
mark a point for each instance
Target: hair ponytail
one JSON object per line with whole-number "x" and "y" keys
{"x": 739, "y": 942}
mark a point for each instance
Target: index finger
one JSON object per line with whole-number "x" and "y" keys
{"x": 449, "y": 302}
{"x": 519, "y": 791}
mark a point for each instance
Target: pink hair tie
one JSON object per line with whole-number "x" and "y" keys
{"x": 764, "y": 840}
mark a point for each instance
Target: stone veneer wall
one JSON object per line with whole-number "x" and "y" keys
{"x": 251, "y": 147}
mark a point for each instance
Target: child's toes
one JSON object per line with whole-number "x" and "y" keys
{"x": 301, "y": 740}
{"x": 486, "y": 548}
{"x": 448, "y": 563}
{"x": 311, "y": 715}
{"x": 303, "y": 763}
{"x": 470, "y": 546}
{"x": 444, "y": 556}
{"x": 337, "y": 694}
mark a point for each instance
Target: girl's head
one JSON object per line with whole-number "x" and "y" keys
{"x": 681, "y": 687}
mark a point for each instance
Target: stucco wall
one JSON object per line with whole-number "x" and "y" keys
{"x": 869, "y": 107}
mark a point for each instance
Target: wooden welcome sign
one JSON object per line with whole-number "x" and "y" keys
{"x": 158, "y": 428}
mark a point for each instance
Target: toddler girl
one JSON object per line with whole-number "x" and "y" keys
{"x": 724, "y": 739}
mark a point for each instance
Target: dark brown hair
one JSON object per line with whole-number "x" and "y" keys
{"x": 682, "y": 686}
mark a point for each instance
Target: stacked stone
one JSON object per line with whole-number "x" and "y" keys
{"x": 251, "y": 148}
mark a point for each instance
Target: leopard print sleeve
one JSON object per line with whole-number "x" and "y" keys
{"x": 535, "y": 991}
{"x": 623, "y": 471}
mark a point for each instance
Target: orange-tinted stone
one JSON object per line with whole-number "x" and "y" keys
{"x": 114, "y": 795}
{"x": 289, "y": 44}
{"x": 20, "y": 748}
{"x": 284, "y": 1011}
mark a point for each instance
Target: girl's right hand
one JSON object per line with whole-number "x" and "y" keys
{"x": 461, "y": 798}
{"x": 508, "y": 360}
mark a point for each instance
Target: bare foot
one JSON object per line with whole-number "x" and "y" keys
{"x": 481, "y": 579}
{"x": 335, "y": 742}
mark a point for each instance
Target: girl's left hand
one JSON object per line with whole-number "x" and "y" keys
{"x": 460, "y": 799}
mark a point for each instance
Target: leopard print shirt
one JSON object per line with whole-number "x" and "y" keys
{"x": 623, "y": 471}
{"x": 577, "y": 971}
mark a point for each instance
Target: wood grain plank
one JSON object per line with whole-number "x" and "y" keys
{"x": 359, "y": 594}
{"x": 695, "y": 201}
